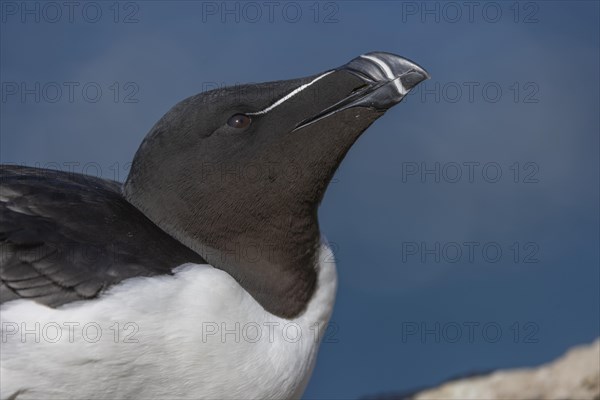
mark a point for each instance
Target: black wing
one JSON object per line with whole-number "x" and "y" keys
{"x": 67, "y": 237}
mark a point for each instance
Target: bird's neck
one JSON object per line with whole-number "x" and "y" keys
{"x": 271, "y": 254}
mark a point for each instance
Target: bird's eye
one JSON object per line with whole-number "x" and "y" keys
{"x": 239, "y": 121}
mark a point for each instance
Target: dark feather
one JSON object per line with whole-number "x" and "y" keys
{"x": 67, "y": 237}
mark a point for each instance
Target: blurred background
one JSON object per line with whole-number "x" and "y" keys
{"x": 465, "y": 222}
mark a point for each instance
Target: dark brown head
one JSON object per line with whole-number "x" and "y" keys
{"x": 237, "y": 174}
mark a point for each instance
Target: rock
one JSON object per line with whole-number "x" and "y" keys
{"x": 575, "y": 375}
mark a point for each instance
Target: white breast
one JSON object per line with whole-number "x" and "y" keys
{"x": 194, "y": 335}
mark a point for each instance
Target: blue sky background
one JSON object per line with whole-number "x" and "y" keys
{"x": 544, "y": 123}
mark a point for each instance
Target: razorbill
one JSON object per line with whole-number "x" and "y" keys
{"x": 205, "y": 275}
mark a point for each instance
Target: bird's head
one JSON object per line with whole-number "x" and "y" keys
{"x": 243, "y": 169}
